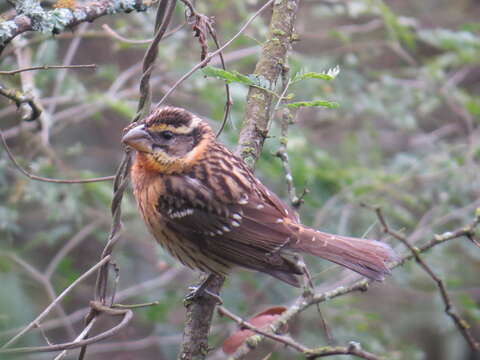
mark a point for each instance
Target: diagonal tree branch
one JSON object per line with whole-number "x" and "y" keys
{"x": 32, "y": 17}
{"x": 461, "y": 324}
{"x": 301, "y": 304}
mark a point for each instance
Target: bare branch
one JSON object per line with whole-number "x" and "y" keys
{"x": 127, "y": 316}
{"x": 143, "y": 287}
{"x": 41, "y": 178}
{"x": 352, "y": 349}
{"x": 112, "y": 33}
{"x": 285, "y": 121}
{"x": 69, "y": 245}
{"x": 460, "y": 323}
{"x": 215, "y": 53}
{"x": 44, "y": 281}
{"x": 58, "y": 20}
{"x": 55, "y": 302}
{"x": 48, "y": 67}
{"x": 301, "y": 304}
{"x": 245, "y": 324}
{"x": 163, "y": 18}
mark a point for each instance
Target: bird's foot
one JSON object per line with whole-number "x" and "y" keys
{"x": 200, "y": 291}
{"x": 197, "y": 292}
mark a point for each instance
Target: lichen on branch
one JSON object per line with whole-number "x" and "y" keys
{"x": 269, "y": 67}
{"x": 32, "y": 17}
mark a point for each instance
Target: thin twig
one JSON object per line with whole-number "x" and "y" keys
{"x": 460, "y": 323}
{"x": 44, "y": 179}
{"x": 143, "y": 287}
{"x": 282, "y": 153}
{"x": 69, "y": 245}
{"x": 73, "y": 47}
{"x": 127, "y": 316}
{"x": 308, "y": 291}
{"x": 212, "y": 55}
{"x": 301, "y": 304}
{"x": 112, "y": 33}
{"x": 56, "y": 301}
{"x": 47, "y": 286}
{"x": 163, "y": 18}
{"x": 228, "y": 101}
{"x": 245, "y": 324}
{"x": 352, "y": 349}
{"x": 80, "y": 336}
{"x": 48, "y": 67}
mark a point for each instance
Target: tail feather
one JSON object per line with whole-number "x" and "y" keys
{"x": 366, "y": 257}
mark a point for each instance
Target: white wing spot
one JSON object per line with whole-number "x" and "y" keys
{"x": 313, "y": 239}
{"x": 235, "y": 223}
{"x": 180, "y": 213}
{"x": 225, "y": 228}
{"x": 286, "y": 211}
{"x": 237, "y": 216}
{"x": 219, "y": 232}
{"x": 260, "y": 206}
{"x": 279, "y": 221}
{"x": 243, "y": 200}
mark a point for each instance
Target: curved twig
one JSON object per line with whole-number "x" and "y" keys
{"x": 44, "y": 179}
{"x": 215, "y": 53}
{"x": 127, "y": 317}
{"x": 54, "y": 303}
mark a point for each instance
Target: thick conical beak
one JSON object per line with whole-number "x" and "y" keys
{"x": 138, "y": 138}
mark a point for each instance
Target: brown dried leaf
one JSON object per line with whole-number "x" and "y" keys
{"x": 260, "y": 321}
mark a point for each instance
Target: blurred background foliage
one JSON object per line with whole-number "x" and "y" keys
{"x": 405, "y": 137}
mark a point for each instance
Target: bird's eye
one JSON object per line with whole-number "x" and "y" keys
{"x": 167, "y": 135}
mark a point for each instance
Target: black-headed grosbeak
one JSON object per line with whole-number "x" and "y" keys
{"x": 206, "y": 207}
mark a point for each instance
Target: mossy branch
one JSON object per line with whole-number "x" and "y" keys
{"x": 269, "y": 67}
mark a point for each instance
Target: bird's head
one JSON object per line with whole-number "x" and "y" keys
{"x": 169, "y": 140}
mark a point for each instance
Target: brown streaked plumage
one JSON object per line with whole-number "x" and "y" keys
{"x": 204, "y": 205}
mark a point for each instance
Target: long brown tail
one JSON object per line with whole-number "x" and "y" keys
{"x": 367, "y": 257}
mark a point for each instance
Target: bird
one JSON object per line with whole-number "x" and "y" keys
{"x": 205, "y": 206}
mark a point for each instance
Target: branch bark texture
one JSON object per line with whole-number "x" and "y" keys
{"x": 197, "y": 323}
{"x": 269, "y": 68}
{"x": 252, "y": 136}
{"x": 32, "y": 17}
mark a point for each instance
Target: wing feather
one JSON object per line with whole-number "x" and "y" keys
{"x": 246, "y": 231}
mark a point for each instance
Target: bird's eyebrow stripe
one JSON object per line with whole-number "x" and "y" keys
{"x": 167, "y": 127}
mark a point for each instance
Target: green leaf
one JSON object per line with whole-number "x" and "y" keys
{"x": 322, "y": 103}
{"x": 228, "y": 76}
{"x": 328, "y": 75}
{"x": 257, "y": 81}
